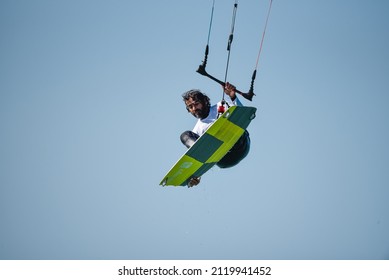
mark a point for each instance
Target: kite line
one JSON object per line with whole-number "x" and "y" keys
{"x": 202, "y": 68}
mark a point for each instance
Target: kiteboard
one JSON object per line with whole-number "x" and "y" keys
{"x": 211, "y": 147}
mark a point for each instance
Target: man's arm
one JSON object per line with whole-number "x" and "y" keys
{"x": 230, "y": 90}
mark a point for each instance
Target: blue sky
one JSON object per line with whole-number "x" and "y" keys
{"x": 91, "y": 113}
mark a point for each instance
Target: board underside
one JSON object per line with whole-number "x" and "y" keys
{"x": 211, "y": 147}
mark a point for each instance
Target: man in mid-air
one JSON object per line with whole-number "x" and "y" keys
{"x": 198, "y": 104}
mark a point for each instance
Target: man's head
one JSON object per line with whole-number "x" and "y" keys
{"x": 197, "y": 103}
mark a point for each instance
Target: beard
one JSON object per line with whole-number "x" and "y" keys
{"x": 201, "y": 113}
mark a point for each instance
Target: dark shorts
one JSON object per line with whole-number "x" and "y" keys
{"x": 238, "y": 152}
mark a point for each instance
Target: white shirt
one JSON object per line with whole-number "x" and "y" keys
{"x": 203, "y": 124}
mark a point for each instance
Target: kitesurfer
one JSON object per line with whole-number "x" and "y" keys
{"x": 198, "y": 104}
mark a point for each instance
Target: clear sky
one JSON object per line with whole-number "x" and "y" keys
{"x": 91, "y": 113}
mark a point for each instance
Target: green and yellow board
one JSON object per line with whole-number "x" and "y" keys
{"x": 211, "y": 147}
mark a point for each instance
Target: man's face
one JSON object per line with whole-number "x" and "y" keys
{"x": 196, "y": 108}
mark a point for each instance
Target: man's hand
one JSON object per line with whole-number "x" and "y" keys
{"x": 230, "y": 90}
{"x": 194, "y": 181}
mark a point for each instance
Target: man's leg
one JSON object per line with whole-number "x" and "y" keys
{"x": 188, "y": 138}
